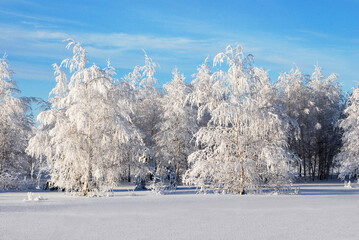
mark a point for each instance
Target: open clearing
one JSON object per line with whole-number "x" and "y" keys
{"x": 321, "y": 211}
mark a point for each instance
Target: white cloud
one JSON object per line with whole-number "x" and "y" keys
{"x": 278, "y": 53}
{"x": 43, "y": 19}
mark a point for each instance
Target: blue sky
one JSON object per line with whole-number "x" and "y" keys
{"x": 280, "y": 34}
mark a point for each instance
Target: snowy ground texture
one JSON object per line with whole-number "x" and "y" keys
{"x": 322, "y": 211}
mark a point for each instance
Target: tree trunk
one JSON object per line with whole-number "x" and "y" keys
{"x": 89, "y": 152}
{"x": 129, "y": 173}
{"x": 241, "y": 180}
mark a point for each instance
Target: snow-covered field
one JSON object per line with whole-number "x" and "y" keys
{"x": 321, "y": 211}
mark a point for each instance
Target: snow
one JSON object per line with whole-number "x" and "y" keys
{"x": 321, "y": 211}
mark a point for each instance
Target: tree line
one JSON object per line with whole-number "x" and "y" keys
{"x": 232, "y": 129}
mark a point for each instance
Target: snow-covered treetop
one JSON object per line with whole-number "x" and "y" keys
{"x": 7, "y": 85}
{"x": 174, "y": 100}
{"x": 240, "y": 67}
{"x": 79, "y": 58}
{"x": 144, "y": 76}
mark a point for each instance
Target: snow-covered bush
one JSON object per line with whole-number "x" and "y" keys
{"x": 164, "y": 180}
{"x": 32, "y": 197}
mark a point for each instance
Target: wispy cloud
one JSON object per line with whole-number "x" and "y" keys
{"x": 275, "y": 53}
{"x": 314, "y": 33}
{"x": 135, "y": 41}
{"x": 39, "y": 18}
{"x": 41, "y": 43}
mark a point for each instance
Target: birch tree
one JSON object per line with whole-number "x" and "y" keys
{"x": 15, "y": 130}
{"x": 349, "y": 154}
{"x": 244, "y": 144}
{"x": 178, "y": 125}
{"x": 146, "y": 102}
{"x": 83, "y": 134}
{"x": 329, "y": 103}
{"x": 297, "y": 99}
{"x": 147, "y": 106}
{"x": 316, "y": 104}
{"x": 202, "y": 96}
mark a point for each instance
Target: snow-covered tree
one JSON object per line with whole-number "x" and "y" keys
{"x": 178, "y": 125}
{"x": 244, "y": 144}
{"x": 329, "y": 103}
{"x": 15, "y": 131}
{"x": 146, "y": 106}
{"x": 147, "y": 99}
{"x": 295, "y": 96}
{"x": 202, "y": 96}
{"x": 316, "y": 104}
{"x": 349, "y": 154}
{"x": 146, "y": 102}
{"x": 83, "y": 135}
{"x": 133, "y": 169}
